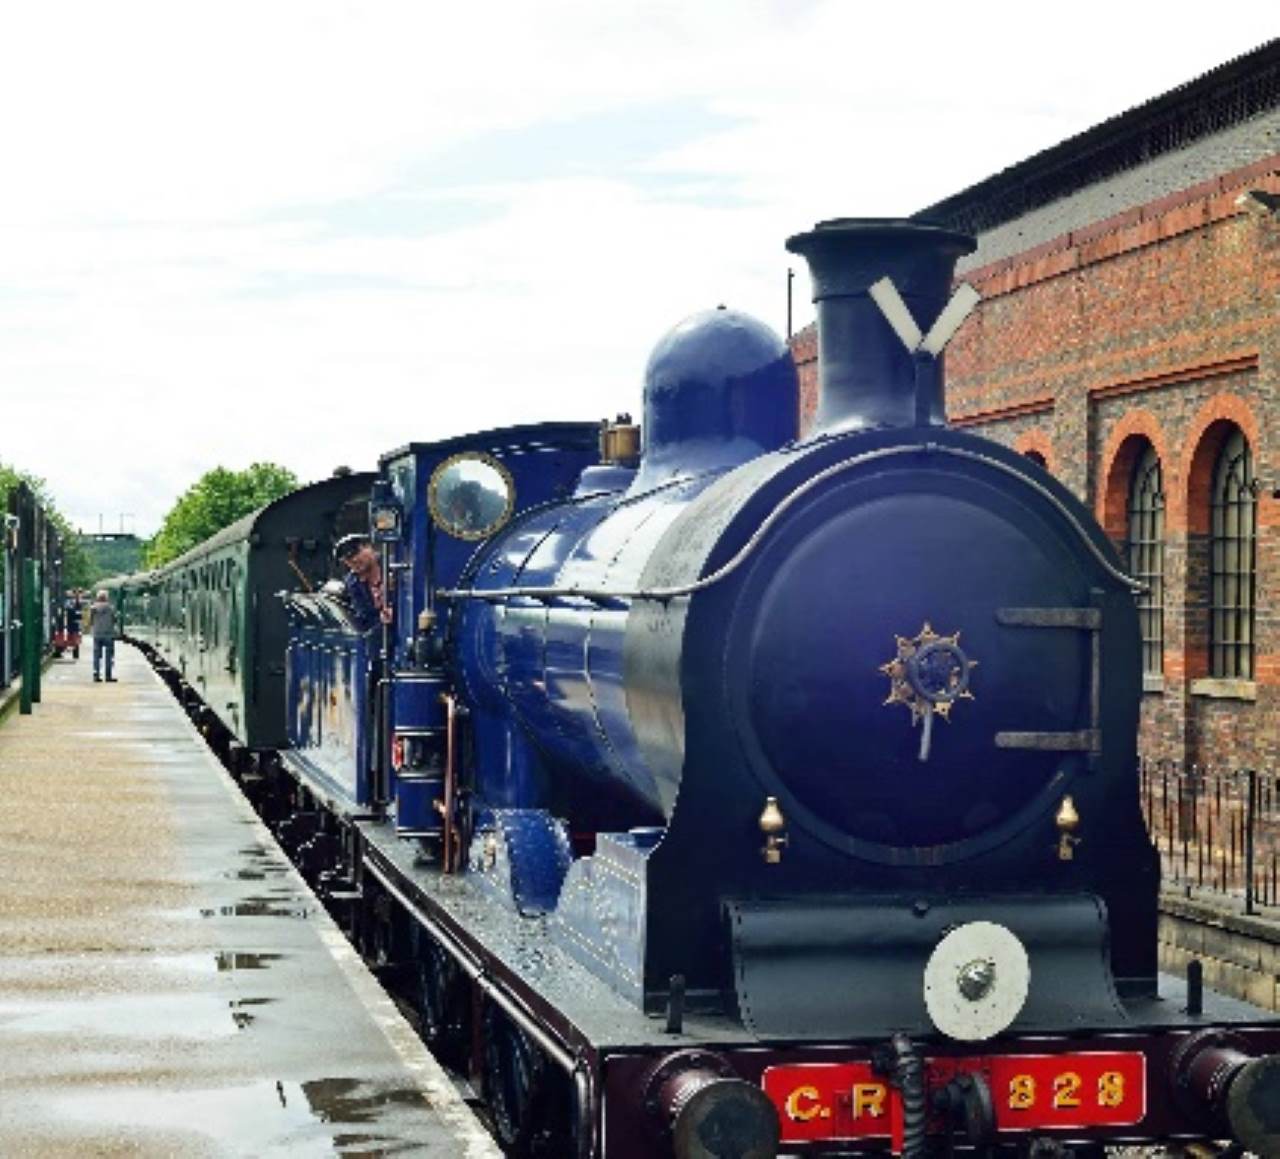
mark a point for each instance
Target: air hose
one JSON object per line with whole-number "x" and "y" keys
{"x": 905, "y": 1070}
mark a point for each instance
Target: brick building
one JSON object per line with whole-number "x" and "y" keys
{"x": 1129, "y": 340}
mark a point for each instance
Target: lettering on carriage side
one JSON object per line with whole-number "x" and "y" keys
{"x": 1022, "y": 1092}
{"x": 1110, "y": 1089}
{"x": 1069, "y": 1091}
{"x": 1066, "y": 1090}
{"x": 1076, "y": 1089}
{"x": 868, "y": 1100}
{"x": 811, "y": 1109}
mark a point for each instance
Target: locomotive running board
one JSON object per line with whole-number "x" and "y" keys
{"x": 1087, "y": 740}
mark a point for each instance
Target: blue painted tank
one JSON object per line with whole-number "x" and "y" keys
{"x": 328, "y": 696}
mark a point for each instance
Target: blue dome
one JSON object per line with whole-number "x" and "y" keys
{"x": 720, "y": 388}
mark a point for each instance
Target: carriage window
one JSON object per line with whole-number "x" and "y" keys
{"x": 1146, "y": 555}
{"x": 1233, "y": 531}
{"x": 471, "y": 495}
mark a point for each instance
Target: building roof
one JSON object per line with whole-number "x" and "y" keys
{"x": 1222, "y": 98}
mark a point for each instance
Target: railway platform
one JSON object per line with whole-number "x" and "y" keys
{"x": 168, "y": 983}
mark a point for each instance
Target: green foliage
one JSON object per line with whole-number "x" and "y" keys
{"x": 112, "y": 555}
{"x": 218, "y": 498}
{"x": 76, "y": 568}
{"x": 9, "y": 479}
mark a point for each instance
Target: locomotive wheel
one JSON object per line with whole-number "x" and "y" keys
{"x": 316, "y": 855}
{"x": 515, "y": 1084}
{"x": 75, "y": 653}
{"x": 377, "y": 932}
{"x": 443, "y": 1004}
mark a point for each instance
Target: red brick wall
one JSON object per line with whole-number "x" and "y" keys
{"x": 1162, "y": 323}
{"x": 804, "y": 348}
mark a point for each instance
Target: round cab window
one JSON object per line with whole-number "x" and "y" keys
{"x": 471, "y": 495}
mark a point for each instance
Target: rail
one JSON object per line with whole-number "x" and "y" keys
{"x": 1217, "y": 829}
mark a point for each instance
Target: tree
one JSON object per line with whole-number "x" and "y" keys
{"x": 217, "y": 499}
{"x": 112, "y": 555}
{"x": 76, "y": 568}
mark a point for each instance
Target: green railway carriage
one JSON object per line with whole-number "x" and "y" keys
{"x": 215, "y": 617}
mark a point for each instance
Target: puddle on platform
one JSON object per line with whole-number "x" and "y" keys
{"x": 184, "y": 963}
{"x": 257, "y": 907}
{"x": 242, "y": 1017}
{"x": 258, "y": 873}
{"x": 100, "y": 965}
{"x": 260, "y": 864}
{"x": 228, "y": 960}
{"x": 366, "y": 1144}
{"x": 351, "y": 1101}
{"x": 144, "y": 1016}
{"x": 263, "y": 854}
{"x": 260, "y": 1118}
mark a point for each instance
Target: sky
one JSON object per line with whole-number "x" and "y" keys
{"x": 309, "y": 232}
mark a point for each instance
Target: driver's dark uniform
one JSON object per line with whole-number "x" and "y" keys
{"x": 365, "y": 604}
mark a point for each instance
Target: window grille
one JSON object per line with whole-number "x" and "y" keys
{"x": 1146, "y": 555}
{"x": 1232, "y": 559}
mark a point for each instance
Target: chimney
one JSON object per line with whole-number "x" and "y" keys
{"x": 867, "y": 376}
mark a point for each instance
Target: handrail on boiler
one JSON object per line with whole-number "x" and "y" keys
{"x": 793, "y": 497}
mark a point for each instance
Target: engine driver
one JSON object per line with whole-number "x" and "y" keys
{"x": 364, "y": 583}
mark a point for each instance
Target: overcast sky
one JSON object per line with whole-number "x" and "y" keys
{"x": 310, "y": 232}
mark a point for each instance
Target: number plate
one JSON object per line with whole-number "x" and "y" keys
{"x": 819, "y": 1101}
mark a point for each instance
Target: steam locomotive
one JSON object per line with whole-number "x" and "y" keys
{"x": 745, "y": 794}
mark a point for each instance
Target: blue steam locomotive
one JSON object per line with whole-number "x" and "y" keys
{"x": 752, "y": 794}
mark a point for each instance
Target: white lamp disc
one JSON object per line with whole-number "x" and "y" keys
{"x": 976, "y": 981}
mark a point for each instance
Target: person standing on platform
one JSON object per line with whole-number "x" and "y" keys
{"x": 102, "y": 626}
{"x": 73, "y": 620}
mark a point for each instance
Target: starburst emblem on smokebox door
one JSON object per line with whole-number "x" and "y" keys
{"x": 928, "y": 675}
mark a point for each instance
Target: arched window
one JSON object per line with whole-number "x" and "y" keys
{"x": 1146, "y": 554}
{"x": 1233, "y": 530}
{"x": 1037, "y": 458}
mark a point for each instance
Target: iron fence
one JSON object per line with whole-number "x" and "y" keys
{"x": 1217, "y": 829}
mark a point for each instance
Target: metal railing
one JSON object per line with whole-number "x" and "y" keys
{"x": 1217, "y": 829}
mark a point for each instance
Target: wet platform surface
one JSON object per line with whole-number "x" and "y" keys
{"x": 168, "y": 984}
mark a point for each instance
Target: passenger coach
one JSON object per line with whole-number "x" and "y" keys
{"x": 213, "y": 617}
